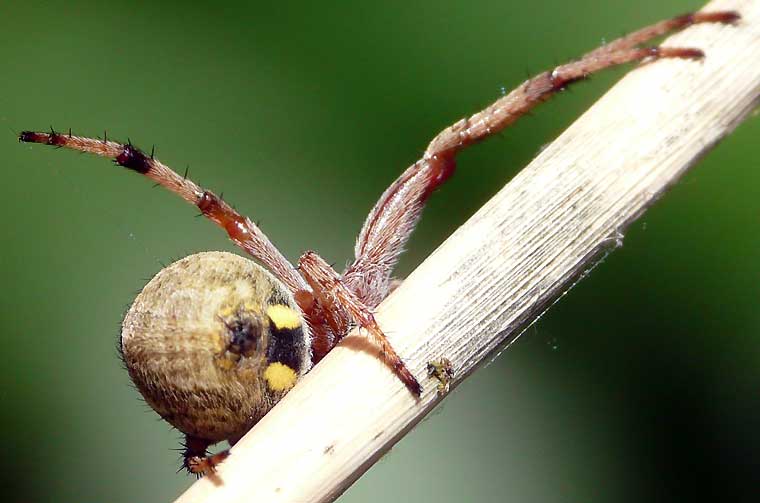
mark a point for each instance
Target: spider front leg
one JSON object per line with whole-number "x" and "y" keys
{"x": 345, "y": 307}
{"x": 240, "y": 229}
{"x": 392, "y": 220}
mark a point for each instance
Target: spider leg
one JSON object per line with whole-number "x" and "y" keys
{"x": 332, "y": 292}
{"x": 241, "y": 230}
{"x": 655, "y": 30}
{"x": 196, "y": 459}
{"x": 392, "y": 220}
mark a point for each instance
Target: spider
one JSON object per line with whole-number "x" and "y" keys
{"x": 215, "y": 340}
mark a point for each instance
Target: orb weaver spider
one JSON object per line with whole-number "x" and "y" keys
{"x": 214, "y": 340}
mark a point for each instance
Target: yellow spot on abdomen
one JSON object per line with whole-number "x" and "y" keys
{"x": 284, "y": 317}
{"x": 280, "y": 377}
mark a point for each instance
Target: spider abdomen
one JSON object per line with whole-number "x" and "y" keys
{"x": 212, "y": 342}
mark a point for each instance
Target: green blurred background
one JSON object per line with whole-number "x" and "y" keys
{"x": 641, "y": 385}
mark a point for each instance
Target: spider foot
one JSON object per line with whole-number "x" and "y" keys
{"x": 204, "y": 465}
{"x": 197, "y": 461}
{"x": 403, "y": 373}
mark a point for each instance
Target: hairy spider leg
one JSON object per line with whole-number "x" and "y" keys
{"x": 196, "y": 459}
{"x": 663, "y": 27}
{"x": 330, "y": 289}
{"x": 392, "y": 220}
{"x": 241, "y": 230}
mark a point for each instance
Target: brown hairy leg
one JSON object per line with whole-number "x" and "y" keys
{"x": 241, "y": 230}
{"x": 196, "y": 459}
{"x": 392, "y": 220}
{"x": 331, "y": 291}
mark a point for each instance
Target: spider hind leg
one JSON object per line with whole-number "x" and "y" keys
{"x": 196, "y": 459}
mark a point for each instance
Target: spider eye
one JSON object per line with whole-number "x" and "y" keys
{"x": 245, "y": 334}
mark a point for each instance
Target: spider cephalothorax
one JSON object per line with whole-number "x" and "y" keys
{"x": 214, "y": 340}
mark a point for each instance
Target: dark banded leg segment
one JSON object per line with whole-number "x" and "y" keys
{"x": 240, "y": 229}
{"x": 196, "y": 459}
